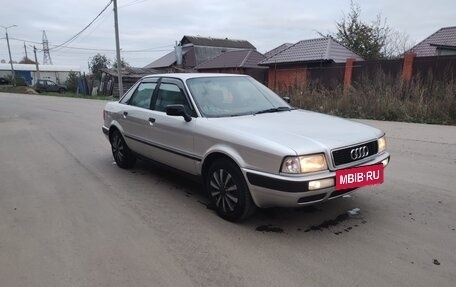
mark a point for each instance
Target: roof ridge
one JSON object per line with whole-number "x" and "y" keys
{"x": 214, "y": 38}
{"x": 280, "y": 52}
{"x": 245, "y": 58}
{"x": 287, "y": 45}
{"x": 328, "y": 48}
{"x": 349, "y": 49}
{"x": 209, "y": 60}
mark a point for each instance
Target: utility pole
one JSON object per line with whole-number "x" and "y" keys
{"x": 37, "y": 68}
{"x": 25, "y": 48}
{"x": 119, "y": 63}
{"x": 9, "y": 52}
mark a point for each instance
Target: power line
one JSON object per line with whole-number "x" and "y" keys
{"x": 85, "y": 28}
{"x": 145, "y": 50}
{"x": 132, "y": 3}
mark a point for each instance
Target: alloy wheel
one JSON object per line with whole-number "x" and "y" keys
{"x": 224, "y": 190}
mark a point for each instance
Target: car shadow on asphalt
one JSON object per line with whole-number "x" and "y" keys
{"x": 338, "y": 216}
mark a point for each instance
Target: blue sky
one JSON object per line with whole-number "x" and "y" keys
{"x": 149, "y": 28}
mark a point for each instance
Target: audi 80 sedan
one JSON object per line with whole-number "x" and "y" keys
{"x": 248, "y": 145}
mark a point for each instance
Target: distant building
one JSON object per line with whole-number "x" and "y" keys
{"x": 289, "y": 64}
{"x": 109, "y": 85}
{"x": 56, "y": 73}
{"x": 441, "y": 43}
{"x": 194, "y": 50}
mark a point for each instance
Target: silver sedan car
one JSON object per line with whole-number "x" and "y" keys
{"x": 248, "y": 145}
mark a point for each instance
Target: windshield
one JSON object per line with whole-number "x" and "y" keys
{"x": 233, "y": 96}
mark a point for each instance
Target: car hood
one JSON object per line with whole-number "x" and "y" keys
{"x": 303, "y": 131}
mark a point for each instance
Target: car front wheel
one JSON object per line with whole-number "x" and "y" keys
{"x": 228, "y": 191}
{"x": 122, "y": 154}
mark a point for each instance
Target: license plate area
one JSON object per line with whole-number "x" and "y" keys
{"x": 359, "y": 176}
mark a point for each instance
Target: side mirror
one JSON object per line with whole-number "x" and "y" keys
{"x": 178, "y": 110}
{"x": 286, "y": 99}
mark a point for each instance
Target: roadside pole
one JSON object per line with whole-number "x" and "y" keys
{"x": 37, "y": 68}
{"x": 13, "y": 74}
{"x": 119, "y": 63}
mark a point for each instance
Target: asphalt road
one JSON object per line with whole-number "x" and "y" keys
{"x": 70, "y": 217}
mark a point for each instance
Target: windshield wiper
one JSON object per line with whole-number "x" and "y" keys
{"x": 274, "y": 110}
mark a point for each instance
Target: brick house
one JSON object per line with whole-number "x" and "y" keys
{"x": 289, "y": 67}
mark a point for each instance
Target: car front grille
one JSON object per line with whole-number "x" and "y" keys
{"x": 343, "y": 156}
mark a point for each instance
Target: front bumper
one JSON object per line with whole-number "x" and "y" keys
{"x": 270, "y": 190}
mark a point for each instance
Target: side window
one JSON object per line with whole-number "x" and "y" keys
{"x": 142, "y": 96}
{"x": 170, "y": 94}
{"x": 49, "y": 83}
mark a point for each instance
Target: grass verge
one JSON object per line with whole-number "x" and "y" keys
{"x": 29, "y": 90}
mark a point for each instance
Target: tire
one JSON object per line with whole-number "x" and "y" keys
{"x": 122, "y": 154}
{"x": 228, "y": 191}
{"x": 61, "y": 90}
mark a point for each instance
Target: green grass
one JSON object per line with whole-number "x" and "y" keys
{"x": 29, "y": 90}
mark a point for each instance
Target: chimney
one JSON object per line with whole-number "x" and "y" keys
{"x": 178, "y": 50}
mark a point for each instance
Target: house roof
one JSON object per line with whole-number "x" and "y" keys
{"x": 132, "y": 72}
{"x": 444, "y": 38}
{"x": 196, "y": 50}
{"x": 216, "y": 42}
{"x": 165, "y": 61}
{"x": 234, "y": 59}
{"x": 277, "y": 50}
{"x": 321, "y": 49}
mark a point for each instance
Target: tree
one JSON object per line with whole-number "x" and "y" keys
{"x": 97, "y": 63}
{"x": 368, "y": 40}
{"x": 122, "y": 62}
{"x": 72, "y": 81}
{"x": 26, "y": 60}
{"x": 398, "y": 43}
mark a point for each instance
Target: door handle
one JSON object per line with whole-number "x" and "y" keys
{"x": 125, "y": 114}
{"x": 151, "y": 121}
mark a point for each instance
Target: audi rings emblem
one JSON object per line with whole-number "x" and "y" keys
{"x": 359, "y": 152}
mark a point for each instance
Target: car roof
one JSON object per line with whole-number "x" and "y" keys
{"x": 186, "y": 76}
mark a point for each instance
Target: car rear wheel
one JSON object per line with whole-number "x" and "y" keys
{"x": 61, "y": 90}
{"x": 122, "y": 154}
{"x": 228, "y": 191}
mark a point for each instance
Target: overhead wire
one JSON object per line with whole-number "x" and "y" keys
{"x": 132, "y": 3}
{"x": 85, "y": 50}
{"x": 145, "y": 50}
{"x": 85, "y": 28}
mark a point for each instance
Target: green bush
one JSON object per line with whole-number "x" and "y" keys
{"x": 21, "y": 82}
{"x": 72, "y": 82}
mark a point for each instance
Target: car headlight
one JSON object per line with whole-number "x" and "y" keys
{"x": 381, "y": 144}
{"x": 304, "y": 164}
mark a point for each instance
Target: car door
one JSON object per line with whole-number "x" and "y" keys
{"x": 51, "y": 86}
{"x": 171, "y": 137}
{"x": 134, "y": 116}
